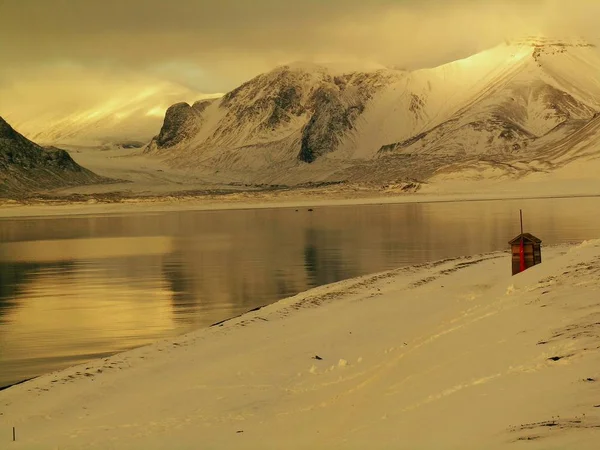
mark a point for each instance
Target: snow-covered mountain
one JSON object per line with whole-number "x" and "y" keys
{"x": 301, "y": 111}
{"x": 129, "y": 116}
{"x": 25, "y": 166}
{"x": 534, "y": 88}
{"x": 521, "y": 100}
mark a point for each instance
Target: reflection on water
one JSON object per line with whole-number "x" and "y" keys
{"x": 76, "y": 288}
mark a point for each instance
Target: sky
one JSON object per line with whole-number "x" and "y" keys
{"x": 214, "y": 45}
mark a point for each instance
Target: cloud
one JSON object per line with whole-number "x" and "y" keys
{"x": 215, "y": 45}
{"x": 32, "y": 103}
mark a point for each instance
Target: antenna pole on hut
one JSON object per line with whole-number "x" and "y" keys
{"x": 521, "y": 212}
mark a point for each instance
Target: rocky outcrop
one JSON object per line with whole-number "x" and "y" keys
{"x": 181, "y": 123}
{"x": 331, "y": 118}
{"x": 26, "y": 166}
{"x": 265, "y": 108}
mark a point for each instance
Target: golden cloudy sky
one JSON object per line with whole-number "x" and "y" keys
{"x": 214, "y": 45}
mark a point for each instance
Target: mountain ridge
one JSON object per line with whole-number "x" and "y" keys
{"x": 496, "y": 104}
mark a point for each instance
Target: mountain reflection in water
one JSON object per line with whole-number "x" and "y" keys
{"x": 81, "y": 287}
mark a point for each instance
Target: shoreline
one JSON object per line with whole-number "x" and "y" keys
{"x": 8, "y": 386}
{"x": 216, "y": 324}
{"x": 14, "y": 210}
{"x": 411, "y": 355}
{"x": 315, "y": 291}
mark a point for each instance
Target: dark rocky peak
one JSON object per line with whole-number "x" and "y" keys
{"x": 377, "y": 78}
{"x": 6, "y": 131}
{"x": 19, "y": 152}
{"x": 25, "y": 166}
{"x": 201, "y": 105}
{"x": 278, "y": 82}
{"x": 272, "y": 100}
{"x": 178, "y": 109}
{"x": 181, "y": 122}
{"x": 14, "y": 147}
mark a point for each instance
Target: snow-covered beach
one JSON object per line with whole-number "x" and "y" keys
{"x": 452, "y": 354}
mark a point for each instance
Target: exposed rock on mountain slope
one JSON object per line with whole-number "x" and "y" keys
{"x": 515, "y": 101}
{"x": 334, "y": 112}
{"x": 182, "y": 122}
{"x": 296, "y": 112}
{"x": 25, "y": 166}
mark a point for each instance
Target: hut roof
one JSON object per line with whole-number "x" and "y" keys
{"x": 526, "y": 237}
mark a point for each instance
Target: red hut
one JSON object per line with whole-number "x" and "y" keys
{"x": 526, "y": 252}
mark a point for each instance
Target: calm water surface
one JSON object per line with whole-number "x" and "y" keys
{"x": 76, "y": 288}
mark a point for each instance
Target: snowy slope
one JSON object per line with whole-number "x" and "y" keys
{"x": 526, "y": 102}
{"x": 455, "y": 354}
{"x": 130, "y": 115}
{"x": 500, "y": 103}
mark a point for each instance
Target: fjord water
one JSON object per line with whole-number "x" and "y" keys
{"x": 76, "y": 288}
